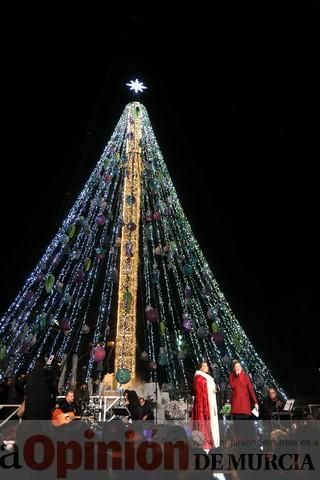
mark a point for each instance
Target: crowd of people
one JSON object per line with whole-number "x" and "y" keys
{"x": 37, "y": 393}
{"x": 139, "y": 408}
{"x": 12, "y": 389}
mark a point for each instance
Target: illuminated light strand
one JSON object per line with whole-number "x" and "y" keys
{"x": 125, "y": 347}
{"x": 155, "y": 241}
{"x": 171, "y": 368}
{"x": 146, "y": 296}
{"x": 152, "y": 299}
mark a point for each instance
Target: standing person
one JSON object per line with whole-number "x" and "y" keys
{"x": 243, "y": 394}
{"x": 40, "y": 392}
{"x": 204, "y": 410}
{"x": 13, "y": 396}
{"x": 82, "y": 396}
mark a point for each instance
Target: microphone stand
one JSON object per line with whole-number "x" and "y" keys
{"x": 156, "y": 392}
{"x": 277, "y": 407}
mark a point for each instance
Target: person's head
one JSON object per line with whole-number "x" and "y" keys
{"x": 203, "y": 366}
{"x": 237, "y": 368}
{"x": 142, "y": 401}
{"x": 84, "y": 386}
{"x": 176, "y": 433}
{"x": 70, "y": 396}
{"x": 133, "y": 398}
{"x": 41, "y": 362}
{"x": 272, "y": 393}
{"x": 125, "y": 394}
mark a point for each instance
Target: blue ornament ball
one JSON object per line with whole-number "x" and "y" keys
{"x": 188, "y": 269}
{"x": 123, "y": 375}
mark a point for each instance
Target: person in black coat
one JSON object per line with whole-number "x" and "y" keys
{"x": 40, "y": 392}
{"x": 147, "y": 410}
{"x": 82, "y": 396}
{"x": 9, "y": 396}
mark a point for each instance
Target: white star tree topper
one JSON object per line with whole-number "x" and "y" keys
{"x": 136, "y": 86}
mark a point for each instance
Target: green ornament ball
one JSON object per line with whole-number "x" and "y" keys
{"x": 123, "y": 375}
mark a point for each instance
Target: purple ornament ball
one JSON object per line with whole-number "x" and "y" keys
{"x": 152, "y": 315}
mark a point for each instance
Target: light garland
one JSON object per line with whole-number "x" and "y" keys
{"x": 125, "y": 347}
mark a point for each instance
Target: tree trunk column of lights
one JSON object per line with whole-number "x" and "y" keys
{"x": 125, "y": 351}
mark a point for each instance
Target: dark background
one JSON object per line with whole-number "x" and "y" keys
{"x": 235, "y": 109}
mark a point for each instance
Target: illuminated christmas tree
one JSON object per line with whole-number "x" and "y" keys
{"x": 124, "y": 286}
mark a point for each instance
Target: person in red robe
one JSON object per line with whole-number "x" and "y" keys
{"x": 243, "y": 394}
{"x": 204, "y": 410}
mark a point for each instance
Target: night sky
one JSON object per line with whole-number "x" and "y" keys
{"x": 235, "y": 110}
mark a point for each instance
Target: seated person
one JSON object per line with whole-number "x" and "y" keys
{"x": 68, "y": 405}
{"x": 133, "y": 405}
{"x": 270, "y": 404}
{"x": 147, "y": 410}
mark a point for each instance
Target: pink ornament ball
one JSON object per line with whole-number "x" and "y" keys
{"x": 152, "y": 315}
{"x": 40, "y": 277}
{"x": 99, "y": 354}
{"x": 65, "y": 324}
{"x": 80, "y": 276}
{"x": 217, "y": 337}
